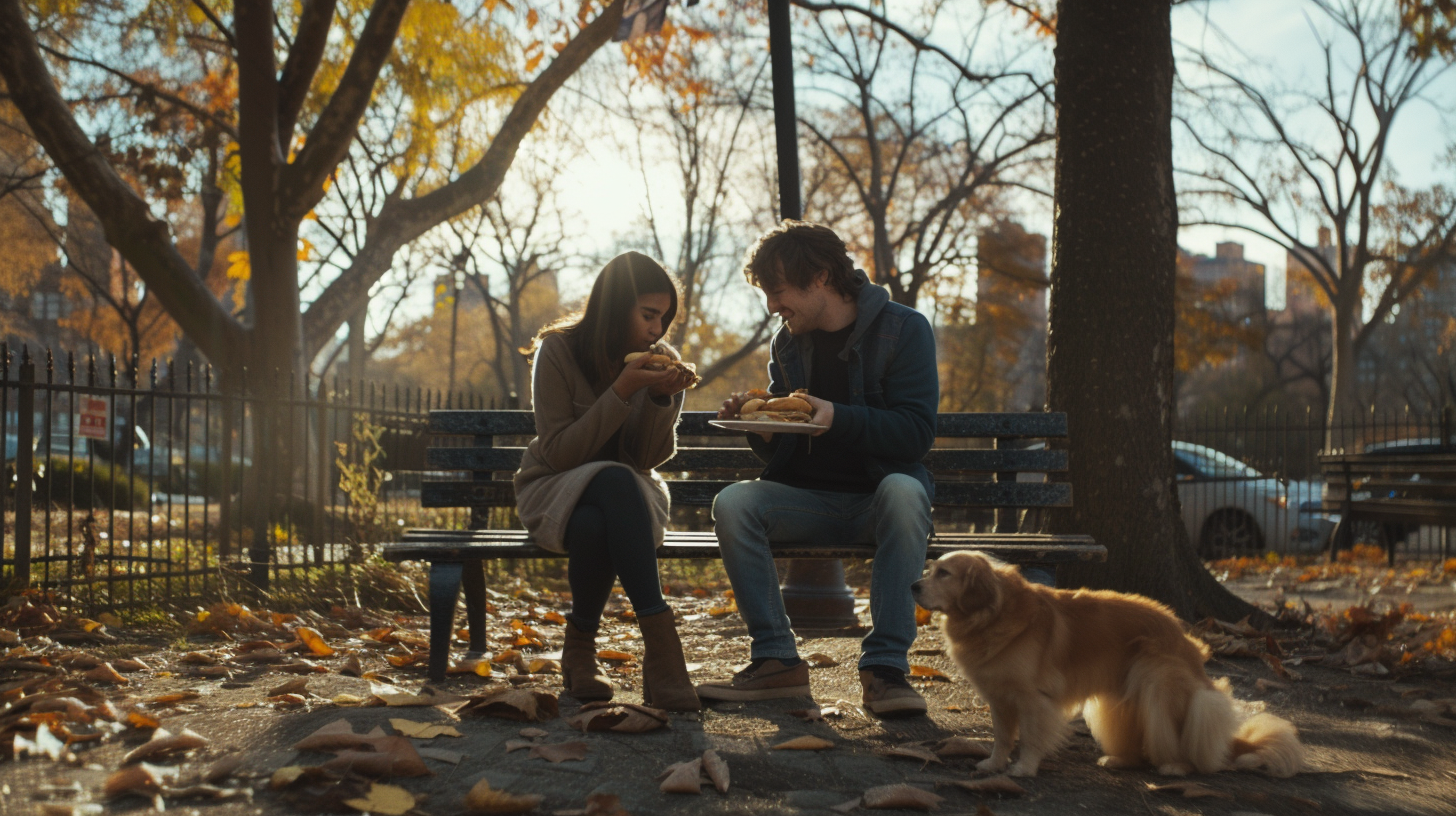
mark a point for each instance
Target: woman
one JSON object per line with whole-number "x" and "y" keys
{"x": 586, "y": 486}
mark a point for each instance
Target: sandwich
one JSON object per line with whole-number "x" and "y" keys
{"x": 762, "y": 407}
{"x": 658, "y": 359}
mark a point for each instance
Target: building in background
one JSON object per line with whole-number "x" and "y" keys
{"x": 1011, "y": 313}
{"x": 1241, "y": 280}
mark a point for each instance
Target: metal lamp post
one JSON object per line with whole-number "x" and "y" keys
{"x": 815, "y": 593}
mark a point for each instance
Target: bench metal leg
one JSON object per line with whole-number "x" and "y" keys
{"x": 474, "y": 582}
{"x": 444, "y": 589}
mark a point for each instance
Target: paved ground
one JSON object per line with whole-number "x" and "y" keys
{"x": 1368, "y": 756}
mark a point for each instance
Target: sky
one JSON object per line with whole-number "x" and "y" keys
{"x": 1278, "y": 35}
{"x": 608, "y": 193}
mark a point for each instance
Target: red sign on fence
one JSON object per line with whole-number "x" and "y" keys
{"x": 92, "y": 418}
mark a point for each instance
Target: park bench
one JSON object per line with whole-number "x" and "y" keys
{"x": 1390, "y": 493}
{"x": 967, "y": 479}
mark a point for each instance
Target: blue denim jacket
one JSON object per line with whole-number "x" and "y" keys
{"x": 894, "y": 386}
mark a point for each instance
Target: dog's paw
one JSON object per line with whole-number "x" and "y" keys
{"x": 1174, "y": 769}
{"x": 1023, "y": 768}
{"x": 992, "y": 764}
{"x": 1117, "y": 763}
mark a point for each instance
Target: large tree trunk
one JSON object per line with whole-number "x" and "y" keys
{"x": 1110, "y": 352}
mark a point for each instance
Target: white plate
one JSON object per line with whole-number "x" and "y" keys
{"x": 761, "y": 426}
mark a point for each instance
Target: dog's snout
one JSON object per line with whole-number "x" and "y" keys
{"x": 916, "y": 587}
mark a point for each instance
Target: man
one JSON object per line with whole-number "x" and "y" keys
{"x": 869, "y": 365}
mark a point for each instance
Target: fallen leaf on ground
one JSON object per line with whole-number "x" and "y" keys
{"x": 962, "y": 747}
{"x": 684, "y": 777}
{"x": 352, "y": 667}
{"x": 314, "y": 641}
{"x": 624, "y": 718}
{"x": 419, "y": 730}
{"x": 391, "y": 695}
{"x": 336, "y": 736}
{"x": 174, "y": 697}
{"x": 717, "y": 770}
{"x": 401, "y": 661}
{"x": 845, "y": 807}
{"x": 929, "y": 673}
{"x": 804, "y": 743}
{"x": 1189, "y": 790}
{"x": 913, "y": 752}
{"x": 45, "y": 744}
{"x": 514, "y": 704}
{"x": 222, "y": 768}
{"x": 533, "y": 733}
{"x": 515, "y": 745}
{"x": 164, "y": 744}
{"x": 138, "y": 780}
{"x": 479, "y": 668}
{"x": 391, "y": 756}
{"x": 560, "y": 751}
{"x": 1000, "y": 785}
{"x": 613, "y": 654}
{"x": 298, "y": 685}
{"x": 543, "y": 666}
{"x": 390, "y": 800}
{"x": 484, "y": 799}
{"x": 819, "y": 660}
{"x": 894, "y": 797}
{"x": 104, "y": 673}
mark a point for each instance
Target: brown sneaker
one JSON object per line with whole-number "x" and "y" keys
{"x": 888, "y": 694}
{"x": 767, "y": 679}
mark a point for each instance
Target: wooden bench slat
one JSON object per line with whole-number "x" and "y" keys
{"x": 700, "y": 493}
{"x": 1019, "y": 547}
{"x": 1020, "y": 425}
{"x": 696, "y": 459}
{"x": 1427, "y": 511}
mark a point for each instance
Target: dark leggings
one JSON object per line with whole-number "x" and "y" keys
{"x": 609, "y": 536}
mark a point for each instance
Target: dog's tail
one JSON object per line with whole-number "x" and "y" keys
{"x": 1209, "y": 729}
{"x": 1270, "y": 744}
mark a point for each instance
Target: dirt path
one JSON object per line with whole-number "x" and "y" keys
{"x": 1369, "y": 754}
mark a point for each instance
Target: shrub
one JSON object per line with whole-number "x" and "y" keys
{"x": 82, "y": 485}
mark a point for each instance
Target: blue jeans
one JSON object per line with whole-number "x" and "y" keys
{"x": 749, "y": 517}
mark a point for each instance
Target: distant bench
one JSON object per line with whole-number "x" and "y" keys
{"x": 1393, "y": 492}
{"x": 964, "y": 478}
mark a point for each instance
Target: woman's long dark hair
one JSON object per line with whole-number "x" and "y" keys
{"x": 597, "y": 334}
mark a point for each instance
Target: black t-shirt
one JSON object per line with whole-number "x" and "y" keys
{"x": 817, "y": 464}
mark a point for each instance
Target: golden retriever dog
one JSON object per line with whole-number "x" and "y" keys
{"x": 1037, "y": 655}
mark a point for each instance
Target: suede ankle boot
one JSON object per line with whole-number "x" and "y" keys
{"x": 665, "y": 682}
{"x": 580, "y": 677}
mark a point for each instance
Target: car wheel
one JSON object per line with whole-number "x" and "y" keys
{"x": 1228, "y": 533}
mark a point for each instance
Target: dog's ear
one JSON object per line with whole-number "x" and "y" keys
{"x": 980, "y": 587}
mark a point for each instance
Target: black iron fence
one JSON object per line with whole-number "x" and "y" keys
{"x": 130, "y": 486}
{"x": 1249, "y": 480}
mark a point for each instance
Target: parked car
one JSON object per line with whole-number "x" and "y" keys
{"x": 1231, "y": 509}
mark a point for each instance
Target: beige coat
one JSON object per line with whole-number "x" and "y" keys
{"x": 573, "y": 422}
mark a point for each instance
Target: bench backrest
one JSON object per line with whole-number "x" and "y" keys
{"x": 964, "y": 476}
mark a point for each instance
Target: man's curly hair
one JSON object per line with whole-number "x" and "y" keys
{"x": 795, "y": 252}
